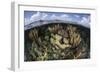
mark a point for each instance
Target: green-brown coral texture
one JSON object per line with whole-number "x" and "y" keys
{"x": 57, "y": 41}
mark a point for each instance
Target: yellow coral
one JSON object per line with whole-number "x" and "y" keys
{"x": 75, "y": 37}
{"x": 56, "y": 41}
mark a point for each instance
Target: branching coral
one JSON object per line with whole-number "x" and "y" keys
{"x": 58, "y": 42}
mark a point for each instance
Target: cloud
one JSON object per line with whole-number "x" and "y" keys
{"x": 65, "y": 17}
{"x": 85, "y": 21}
{"x": 35, "y": 17}
{"x": 54, "y": 17}
{"x": 82, "y": 20}
{"x": 76, "y": 16}
{"x": 26, "y": 21}
{"x": 44, "y": 16}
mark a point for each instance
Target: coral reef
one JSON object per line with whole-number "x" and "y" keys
{"x": 57, "y": 41}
